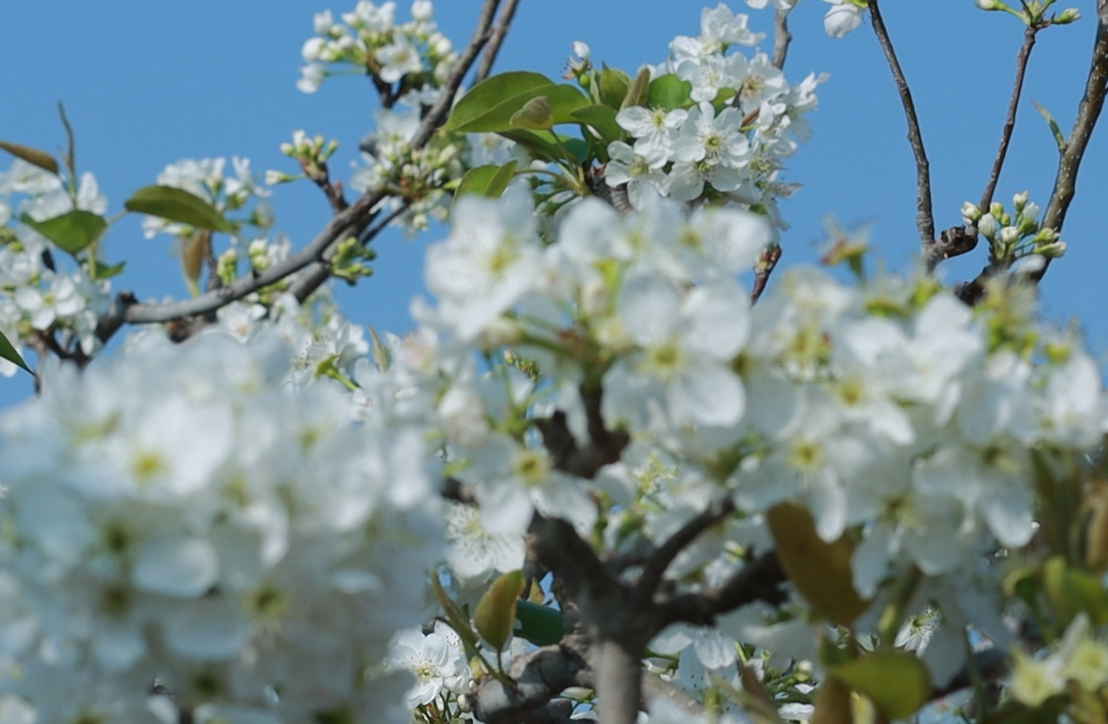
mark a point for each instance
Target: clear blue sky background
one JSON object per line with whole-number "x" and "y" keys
{"x": 149, "y": 83}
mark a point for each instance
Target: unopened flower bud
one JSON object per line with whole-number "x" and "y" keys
{"x": 1054, "y": 250}
{"x": 1067, "y": 16}
{"x": 996, "y": 209}
{"x": 1019, "y": 201}
{"x": 970, "y": 213}
{"x": 989, "y": 4}
{"x": 1009, "y": 235}
{"x": 581, "y": 49}
{"x": 987, "y": 226}
{"x": 422, "y": 10}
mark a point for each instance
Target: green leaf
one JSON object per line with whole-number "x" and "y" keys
{"x": 639, "y": 91}
{"x": 602, "y": 119}
{"x": 490, "y": 93}
{"x": 669, "y": 92}
{"x": 495, "y": 614}
{"x": 179, "y": 205}
{"x": 72, "y": 231}
{"x": 33, "y": 156}
{"x": 819, "y": 570}
{"x": 535, "y": 115}
{"x": 562, "y": 99}
{"x": 1069, "y": 592}
{"x": 614, "y": 84}
{"x": 1054, "y": 129}
{"x": 541, "y": 145}
{"x": 103, "y": 271}
{"x": 895, "y": 681}
{"x": 489, "y": 181}
{"x": 499, "y": 183}
{"x": 541, "y": 625}
{"x": 8, "y": 352}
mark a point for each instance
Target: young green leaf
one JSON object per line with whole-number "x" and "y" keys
{"x": 1054, "y": 129}
{"x": 669, "y": 92}
{"x": 541, "y": 625}
{"x": 8, "y": 352}
{"x": 1069, "y": 592}
{"x": 602, "y": 119}
{"x": 614, "y": 84}
{"x": 490, "y": 93}
{"x": 33, "y": 156}
{"x": 639, "y": 92}
{"x": 895, "y": 681}
{"x": 535, "y": 115}
{"x": 563, "y": 100}
{"x": 495, "y": 614}
{"x": 72, "y": 231}
{"x": 489, "y": 181}
{"x": 179, "y": 205}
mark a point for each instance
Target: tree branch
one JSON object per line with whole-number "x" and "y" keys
{"x": 349, "y": 222}
{"x": 759, "y": 580}
{"x": 658, "y": 561}
{"x": 781, "y": 38}
{"x": 503, "y": 24}
{"x": 537, "y": 676}
{"x": 1088, "y": 112}
{"x": 1010, "y": 120}
{"x": 925, "y": 220}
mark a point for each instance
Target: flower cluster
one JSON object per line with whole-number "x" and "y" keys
{"x": 745, "y": 119}
{"x": 414, "y": 53}
{"x": 207, "y": 179}
{"x": 1079, "y": 661}
{"x": 887, "y": 409}
{"x": 38, "y": 293}
{"x": 178, "y": 513}
{"x": 1014, "y": 237}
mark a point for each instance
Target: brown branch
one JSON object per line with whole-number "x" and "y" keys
{"x": 658, "y": 561}
{"x": 349, "y": 222}
{"x": 781, "y": 38}
{"x": 537, "y": 676}
{"x": 925, "y": 220}
{"x": 313, "y": 278}
{"x": 1088, "y": 112}
{"x": 759, "y": 580}
{"x": 504, "y": 23}
{"x": 1010, "y": 120}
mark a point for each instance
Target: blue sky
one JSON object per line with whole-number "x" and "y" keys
{"x": 146, "y": 84}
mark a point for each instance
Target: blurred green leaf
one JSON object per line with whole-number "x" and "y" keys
{"x": 8, "y": 352}
{"x": 72, "y": 231}
{"x": 669, "y": 92}
{"x": 819, "y": 570}
{"x": 495, "y": 614}
{"x": 33, "y": 156}
{"x": 1069, "y": 592}
{"x": 895, "y": 681}
{"x": 103, "y": 271}
{"x": 489, "y": 181}
{"x": 541, "y": 625}
{"x": 179, "y": 205}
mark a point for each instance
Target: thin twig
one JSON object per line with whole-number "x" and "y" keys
{"x": 503, "y": 24}
{"x": 349, "y": 222}
{"x": 925, "y": 220}
{"x": 1088, "y": 112}
{"x": 781, "y": 38}
{"x": 1010, "y": 120}
{"x": 657, "y": 562}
